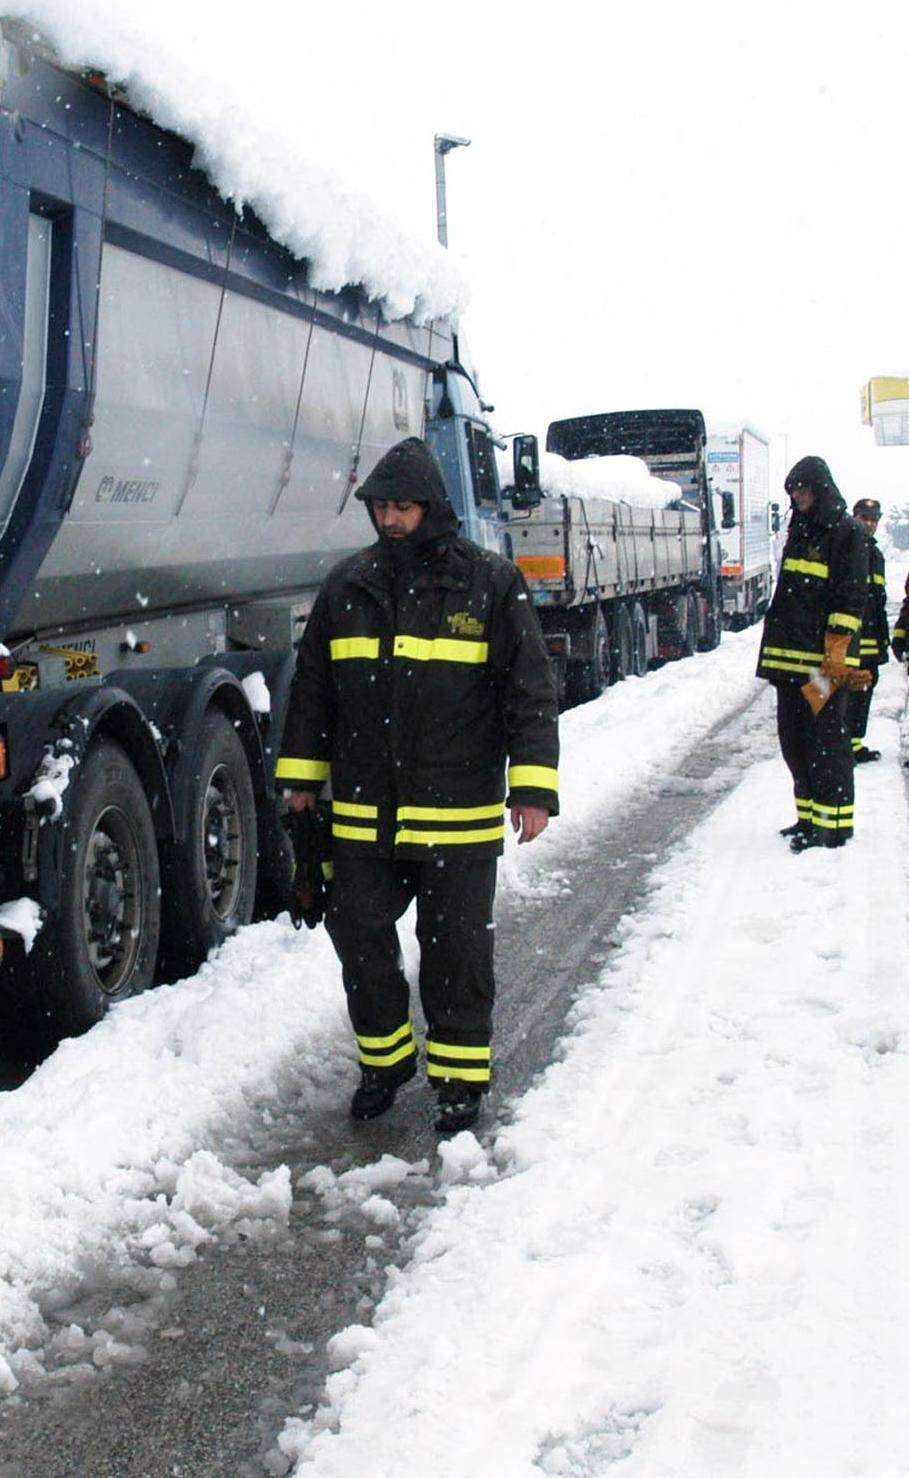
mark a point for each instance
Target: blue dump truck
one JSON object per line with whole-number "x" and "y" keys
{"x": 183, "y": 421}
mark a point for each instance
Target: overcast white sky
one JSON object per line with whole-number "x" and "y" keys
{"x": 661, "y": 205}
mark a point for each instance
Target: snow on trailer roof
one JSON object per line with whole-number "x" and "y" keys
{"x": 183, "y": 68}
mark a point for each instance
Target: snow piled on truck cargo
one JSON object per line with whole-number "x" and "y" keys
{"x": 293, "y": 145}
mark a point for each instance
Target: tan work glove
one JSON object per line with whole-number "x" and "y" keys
{"x": 834, "y": 673}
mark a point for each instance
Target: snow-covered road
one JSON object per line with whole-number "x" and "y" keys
{"x": 686, "y": 1256}
{"x": 682, "y": 1254}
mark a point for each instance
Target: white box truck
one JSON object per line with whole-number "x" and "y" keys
{"x": 738, "y": 470}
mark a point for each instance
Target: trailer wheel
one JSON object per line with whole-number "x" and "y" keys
{"x": 622, "y": 645}
{"x": 99, "y": 947}
{"x": 587, "y": 679}
{"x": 211, "y": 884}
{"x": 638, "y": 639}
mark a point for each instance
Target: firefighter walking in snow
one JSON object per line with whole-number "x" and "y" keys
{"x": 875, "y": 637}
{"x": 810, "y": 652}
{"x": 422, "y": 668}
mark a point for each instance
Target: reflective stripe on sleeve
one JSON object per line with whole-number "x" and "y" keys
{"x": 807, "y": 567}
{"x": 534, "y": 777}
{"x": 291, "y": 769}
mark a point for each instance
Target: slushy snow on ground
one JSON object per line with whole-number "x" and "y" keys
{"x": 683, "y": 1253}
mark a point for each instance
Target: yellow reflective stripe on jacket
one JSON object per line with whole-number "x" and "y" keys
{"x": 899, "y": 631}
{"x": 448, "y": 838}
{"x": 344, "y": 647}
{"x": 842, "y": 618}
{"x": 354, "y": 833}
{"x": 443, "y": 1049}
{"x": 535, "y": 777}
{"x": 290, "y": 769}
{"x": 807, "y": 567}
{"x": 795, "y": 654}
{"x": 868, "y": 644}
{"x": 440, "y": 649}
{"x": 879, "y": 579}
{"x": 352, "y": 808}
{"x": 448, "y": 813}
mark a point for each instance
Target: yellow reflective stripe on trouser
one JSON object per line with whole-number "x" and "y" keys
{"x": 842, "y": 618}
{"x": 291, "y": 769}
{"x": 345, "y": 647}
{"x": 879, "y": 579}
{"x": 534, "y": 777}
{"x": 388, "y": 1050}
{"x": 832, "y": 818}
{"x": 858, "y": 743}
{"x": 803, "y": 808}
{"x": 467, "y": 1064}
{"x": 807, "y": 567}
{"x": 440, "y": 649}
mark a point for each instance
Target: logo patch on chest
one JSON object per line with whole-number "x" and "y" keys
{"x": 463, "y": 624}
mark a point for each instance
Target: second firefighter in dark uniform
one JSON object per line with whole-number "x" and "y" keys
{"x": 875, "y": 638}
{"x": 421, "y": 673}
{"x": 810, "y": 652}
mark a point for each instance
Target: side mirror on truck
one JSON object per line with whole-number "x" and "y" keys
{"x": 728, "y": 501}
{"x": 774, "y": 518}
{"x": 526, "y": 492}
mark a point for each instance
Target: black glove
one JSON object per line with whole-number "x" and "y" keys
{"x": 310, "y": 837}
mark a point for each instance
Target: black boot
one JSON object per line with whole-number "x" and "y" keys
{"x": 459, "y": 1107}
{"x": 865, "y": 756}
{"x": 377, "y": 1090}
{"x": 798, "y": 828}
{"x": 800, "y": 841}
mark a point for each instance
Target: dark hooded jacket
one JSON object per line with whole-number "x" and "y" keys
{"x": 875, "y": 638}
{"x": 901, "y": 629}
{"x": 421, "y": 672}
{"x": 822, "y": 584}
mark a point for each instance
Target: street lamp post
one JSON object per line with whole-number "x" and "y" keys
{"x": 443, "y": 143}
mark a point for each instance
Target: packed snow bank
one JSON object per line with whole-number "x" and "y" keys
{"x": 692, "y": 1260}
{"x": 205, "y": 75}
{"x": 100, "y": 1168}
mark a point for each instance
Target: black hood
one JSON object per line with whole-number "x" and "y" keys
{"x": 409, "y": 473}
{"x": 812, "y": 472}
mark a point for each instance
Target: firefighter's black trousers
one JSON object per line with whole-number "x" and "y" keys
{"x": 454, "y": 898}
{"x": 857, "y": 710}
{"x": 818, "y": 752}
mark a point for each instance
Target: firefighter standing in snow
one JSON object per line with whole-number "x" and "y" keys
{"x": 901, "y": 629}
{"x": 875, "y": 638}
{"x": 810, "y": 652}
{"x": 421, "y": 670}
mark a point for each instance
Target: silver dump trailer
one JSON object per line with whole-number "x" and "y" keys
{"x": 620, "y": 586}
{"x": 183, "y": 422}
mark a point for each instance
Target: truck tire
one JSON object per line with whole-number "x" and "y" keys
{"x": 588, "y": 678}
{"x": 100, "y": 945}
{"x": 638, "y": 640}
{"x": 622, "y": 664}
{"x": 211, "y": 882}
